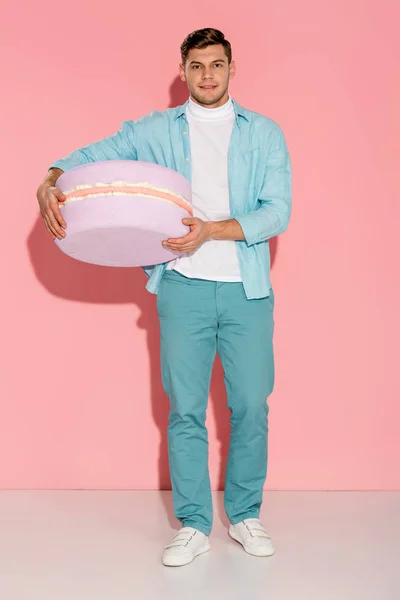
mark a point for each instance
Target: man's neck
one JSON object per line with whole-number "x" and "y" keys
{"x": 201, "y": 112}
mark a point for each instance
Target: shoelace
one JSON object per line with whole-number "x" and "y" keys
{"x": 178, "y": 538}
{"x": 251, "y": 528}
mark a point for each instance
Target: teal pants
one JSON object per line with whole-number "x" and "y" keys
{"x": 199, "y": 318}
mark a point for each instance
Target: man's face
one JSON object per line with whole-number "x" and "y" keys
{"x": 207, "y": 75}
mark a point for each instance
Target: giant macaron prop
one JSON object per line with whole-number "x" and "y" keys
{"x": 118, "y": 212}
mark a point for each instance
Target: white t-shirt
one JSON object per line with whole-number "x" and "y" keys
{"x": 210, "y": 133}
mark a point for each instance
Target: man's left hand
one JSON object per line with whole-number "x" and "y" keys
{"x": 199, "y": 233}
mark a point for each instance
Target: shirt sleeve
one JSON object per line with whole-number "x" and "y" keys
{"x": 119, "y": 146}
{"x": 275, "y": 200}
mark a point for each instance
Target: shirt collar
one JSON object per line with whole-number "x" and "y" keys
{"x": 239, "y": 110}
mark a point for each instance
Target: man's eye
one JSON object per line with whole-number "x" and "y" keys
{"x": 195, "y": 66}
{"x": 218, "y": 65}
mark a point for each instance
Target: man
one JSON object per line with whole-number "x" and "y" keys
{"x": 217, "y": 297}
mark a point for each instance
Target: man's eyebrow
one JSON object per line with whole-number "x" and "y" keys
{"x": 197, "y": 62}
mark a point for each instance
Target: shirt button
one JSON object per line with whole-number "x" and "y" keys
{"x": 185, "y": 133}
{"x": 187, "y": 160}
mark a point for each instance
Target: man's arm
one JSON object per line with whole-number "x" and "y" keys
{"x": 272, "y": 217}
{"x": 225, "y": 230}
{"x": 119, "y": 146}
{"x": 52, "y": 175}
{"x": 269, "y": 220}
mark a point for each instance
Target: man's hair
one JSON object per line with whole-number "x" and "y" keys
{"x": 201, "y": 38}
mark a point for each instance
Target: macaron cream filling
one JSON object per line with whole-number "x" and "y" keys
{"x": 123, "y": 188}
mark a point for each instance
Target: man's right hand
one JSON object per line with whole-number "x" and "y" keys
{"x": 49, "y": 197}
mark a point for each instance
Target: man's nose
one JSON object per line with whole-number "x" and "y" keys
{"x": 207, "y": 74}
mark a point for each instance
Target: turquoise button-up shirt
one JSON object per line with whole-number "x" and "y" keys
{"x": 259, "y": 172}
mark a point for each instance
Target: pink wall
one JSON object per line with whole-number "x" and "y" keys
{"x": 81, "y": 398}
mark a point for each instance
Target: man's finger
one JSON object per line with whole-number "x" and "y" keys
{"x": 58, "y": 193}
{"x": 48, "y": 229}
{"x": 54, "y": 206}
{"x": 190, "y": 220}
{"x": 59, "y": 217}
{"x": 55, "y": 225}
{"x": 49, "y": 226}
{"x": 185, "y": 248}
{"x": 183, "y": 240}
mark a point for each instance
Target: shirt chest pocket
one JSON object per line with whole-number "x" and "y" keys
{"x": 247, "y": 172}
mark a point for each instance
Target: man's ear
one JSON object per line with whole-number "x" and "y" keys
{"x": 232, "y": 69}
{"x": 182, "y": 72}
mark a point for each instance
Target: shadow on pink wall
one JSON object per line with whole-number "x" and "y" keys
{"x": 82, "y": 282}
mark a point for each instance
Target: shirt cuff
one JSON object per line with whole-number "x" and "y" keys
{"x": 249, "y": 225}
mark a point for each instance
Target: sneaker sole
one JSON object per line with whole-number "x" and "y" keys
{"x": 177, "y": 562}
{"x": 259, "y": 553}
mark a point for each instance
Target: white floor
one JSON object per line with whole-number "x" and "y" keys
{"x": 97, "y": 545}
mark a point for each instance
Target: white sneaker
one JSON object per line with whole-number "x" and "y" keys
{"x": 185, "y": 546}
{"x": 253, "y": 537}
